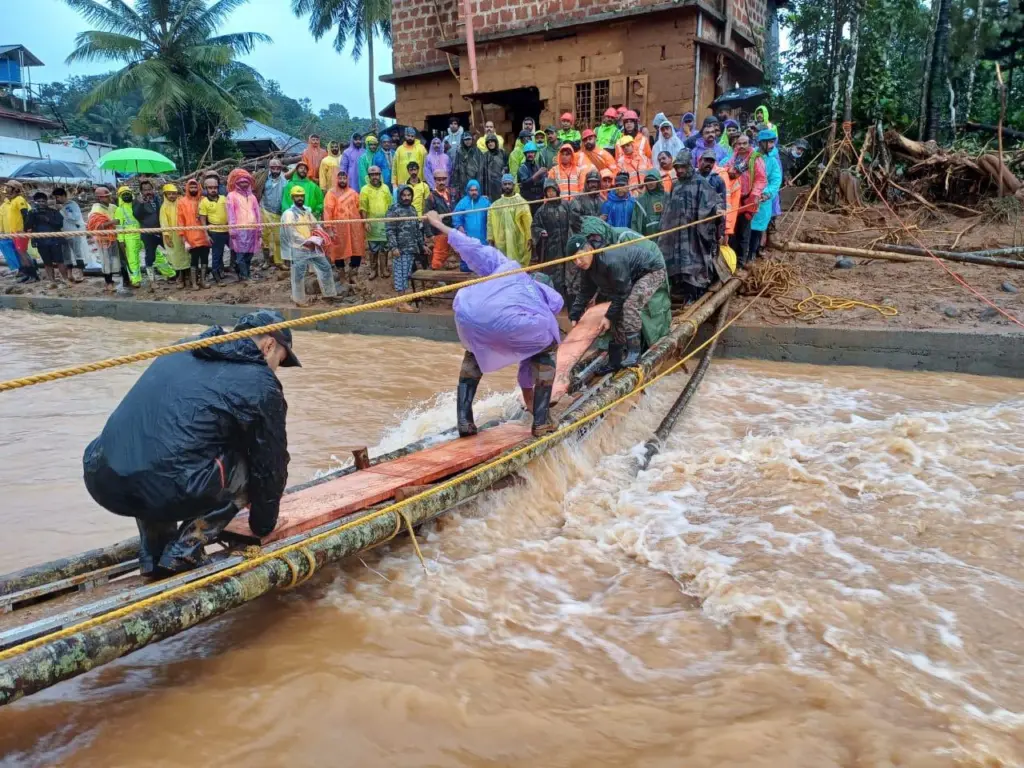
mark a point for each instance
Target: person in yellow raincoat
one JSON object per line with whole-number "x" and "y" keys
{"x": 174, "y": 246}
{"x": 124, "y": 216}
{"x": 508, "y": 223}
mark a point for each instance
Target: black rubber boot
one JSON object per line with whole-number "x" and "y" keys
{"x": 542, "y": 424}
{"x": 189, "y": 550}
{"x": 464, "y": 408}
{"x": 632, "y": 351}
{"x": 614, "y": 361}
{"x": 154, "y": 537}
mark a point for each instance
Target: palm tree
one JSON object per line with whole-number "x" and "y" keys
{"x": 170, "y": 54}
{"x": 112, "y": 120}
{"x": 356, "y": 20}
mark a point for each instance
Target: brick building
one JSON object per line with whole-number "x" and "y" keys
{"x": 541, "y": 58}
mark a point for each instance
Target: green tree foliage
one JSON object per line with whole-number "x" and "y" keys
{"x": 897, "y": 40}
{"x": 353, "y": 21}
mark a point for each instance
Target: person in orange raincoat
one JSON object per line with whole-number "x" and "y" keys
{"x": 633, "y": 163}
{"x": 349, "y": 239}
{"x": 566, "y": 173}
{"x": 197, "y": 242}
{"x": 631, "y": 127}
{"x": 592, "y": 155}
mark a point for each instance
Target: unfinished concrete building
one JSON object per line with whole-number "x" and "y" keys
{"x": 541, "y": 58}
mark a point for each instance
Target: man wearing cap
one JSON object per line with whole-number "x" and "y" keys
{"x": 374, "y": 201}
{"x": 617, "y": 210}
{"x": 508, "y": 223}
{"x": 300, "y": 249}
{"x": 628, "y": 275}
{"x": 547, "y": 153}
{"x": 568, "y": 134}
{"x": 631, "y": 127}
{"x": 766, "y": 139}
{"x": 130, "y": 243}
{"x": 531, "y": 175}
{"x": 312, "y": 194}
{"x": 632, "y": 162}
{"x": 410, "y": 151}
{"x": 608, "y": 131}
{"x": 200, "y": 436}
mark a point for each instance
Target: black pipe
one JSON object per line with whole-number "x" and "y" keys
{"x": 653, "y": 446}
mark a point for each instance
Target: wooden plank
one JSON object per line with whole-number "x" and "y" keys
{"x": 320, "y": 504}
{"x": 575, "y": 346}
{"x": 442, "y": 275}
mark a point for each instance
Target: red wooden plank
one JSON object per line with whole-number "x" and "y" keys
{"x": 575, "y": 346}
{"x": 320, "y": 504}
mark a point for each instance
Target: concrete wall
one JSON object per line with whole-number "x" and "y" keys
{"x": 985, "y": 354}
{"x": 419, "y": 97}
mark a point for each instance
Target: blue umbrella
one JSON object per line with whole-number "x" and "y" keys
{"x": 50, "y": 169}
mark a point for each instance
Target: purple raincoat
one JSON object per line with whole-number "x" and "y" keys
{"x": 437, "y": 160}
{"x": 350, "y": 164}
{"x": 503, "y": 321}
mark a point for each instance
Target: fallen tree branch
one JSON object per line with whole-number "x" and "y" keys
{"x": 838, "y": 250}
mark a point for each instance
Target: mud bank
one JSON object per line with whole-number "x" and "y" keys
{"x": 986, "y": 353}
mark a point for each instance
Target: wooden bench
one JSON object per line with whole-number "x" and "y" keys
{"x": 437, "y": 276}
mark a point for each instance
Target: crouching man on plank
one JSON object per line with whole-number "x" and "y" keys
{"x": 500, "y": 322}
{"x": 199, "y": 437}
{"x": 629, "y": 275}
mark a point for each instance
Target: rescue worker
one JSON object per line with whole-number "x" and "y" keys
{"x": 200, "y": 436}
{"x": 500, "y": 322}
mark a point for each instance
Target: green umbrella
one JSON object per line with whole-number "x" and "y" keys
{"x": 135, "y": 160}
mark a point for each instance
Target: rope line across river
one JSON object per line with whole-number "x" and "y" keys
{"x": 396, "y": 508}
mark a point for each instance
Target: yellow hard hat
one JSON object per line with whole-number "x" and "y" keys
{"x": 122, "y": 189}
{"x": 627, "y": 139}
{"x": 729, "y": 255}
{"x": 168, "y": 188}
{"x": 297, "y": 188}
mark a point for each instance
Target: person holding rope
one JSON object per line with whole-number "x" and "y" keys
{"x": 200, "y": 436}
{"x": 501, "y": 322}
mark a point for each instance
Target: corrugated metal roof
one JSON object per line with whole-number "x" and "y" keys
{"x": 30, "y": 60}
{"x": 253, "y": 130}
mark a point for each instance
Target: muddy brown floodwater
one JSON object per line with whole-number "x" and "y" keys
{"x": 823, "y": 568}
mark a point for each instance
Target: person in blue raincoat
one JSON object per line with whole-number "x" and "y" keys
{"x": 766, "y": 140}
{"x": 470, "y": 216}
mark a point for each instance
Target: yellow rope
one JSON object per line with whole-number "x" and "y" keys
{"x": 135, "y": 357}
{"x": 395, "y": 508}
{"x": 778, "y": 280}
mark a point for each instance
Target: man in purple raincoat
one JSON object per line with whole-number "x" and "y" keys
{"x": 350, "y": 160}
{"x": 500, "y": 322}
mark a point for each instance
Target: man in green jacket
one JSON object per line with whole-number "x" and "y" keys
{"x": 314, "y": 195}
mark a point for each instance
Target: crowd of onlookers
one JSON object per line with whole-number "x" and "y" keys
{"x": 359, "y": 209}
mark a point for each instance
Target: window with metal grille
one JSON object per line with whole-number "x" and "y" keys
{"x": 584, "y": 103}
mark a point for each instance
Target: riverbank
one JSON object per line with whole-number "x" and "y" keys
{"x": 989, "y": 352}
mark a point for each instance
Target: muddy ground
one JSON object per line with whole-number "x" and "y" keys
{"x": 924, "y": 294}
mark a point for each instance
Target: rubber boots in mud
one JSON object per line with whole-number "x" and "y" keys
{"x": 542, "y": 424}
{"x": 464, "y": 406}
{"x": 614, "y": 362}
{"x": 632, "y": 357}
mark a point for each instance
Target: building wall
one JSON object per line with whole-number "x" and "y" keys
{"x": 419, "y": 97}
{"x": 17, "y": 129}
{"x": 416, "y": 28}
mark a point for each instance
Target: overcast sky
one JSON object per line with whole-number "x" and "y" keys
{"x": 305, "y": 69}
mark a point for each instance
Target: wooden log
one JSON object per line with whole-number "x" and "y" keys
{"x": 411, "y": 490}
{"x": 69, "y": 567}
{"x": 839, "y": 250}
{"x": 990, "y": 254}
{"x": 897, "y": 142}
{"x": 992, "y": 129}
{"x": 52, "y": 661}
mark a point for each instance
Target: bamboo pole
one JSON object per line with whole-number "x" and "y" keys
{"x": 991, "y": 253}
{"x": 51, "y": 662}
{"x": 863, "y": 253}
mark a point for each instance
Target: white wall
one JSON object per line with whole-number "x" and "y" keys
{"x": 16, "y": 152}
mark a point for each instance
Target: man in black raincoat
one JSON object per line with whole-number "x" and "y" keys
{"x": 465, "y": 166}
{"x": 587, "y": 204}
{"x": 199, "y": 437}
{"x": 493, "y": 166}
{"x": 551, "y": 233}
{"x": 689, "y": 252}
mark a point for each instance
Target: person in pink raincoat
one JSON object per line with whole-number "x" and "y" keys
{"x": 243, "y": 208}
